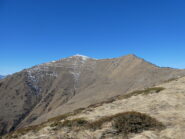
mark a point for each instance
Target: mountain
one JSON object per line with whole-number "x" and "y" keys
{"x": 1, "y": 77}
{"x": 37, "y": 94}
{"x": 153, "y": 113}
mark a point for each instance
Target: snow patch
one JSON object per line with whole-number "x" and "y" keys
{"x": 80, "y": 56}
{"x": 76, "y": 75}
{"x": 37, "y": 73}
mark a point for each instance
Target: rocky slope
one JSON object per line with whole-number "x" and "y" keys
{"x": 44, "y": 91}
{"x": 154, "y": 113}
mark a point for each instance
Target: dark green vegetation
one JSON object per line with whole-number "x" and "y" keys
{"x": 143, "y": 92}
{"x": 80, "y": 122}
{"x": 127, "y": 122}
{"x": 135, "y": 122}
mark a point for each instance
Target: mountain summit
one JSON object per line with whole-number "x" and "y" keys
{"x": 34, "y": 95}
{"x": 80, "y": 56}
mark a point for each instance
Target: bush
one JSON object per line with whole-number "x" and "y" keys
{"x": 97, "y": 124}
{"x": 80, "y": 122}
{"x": 142, "y": 92}
{"x": 75, "y": 122}
{"x": 135, "y": 122}
{"x": 128, "y": 122}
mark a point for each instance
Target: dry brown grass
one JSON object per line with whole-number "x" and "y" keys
{"x": 128, "y": 95}
{"x": 127, "y": 122}
{"x": 94, "y": 125}
{"x": 142, "y": 92}
{"x": 22, "y": 131}
{"x": 124, "y": 123}
{"x": 170, "y": 80}
{"x": 64, "y": 116}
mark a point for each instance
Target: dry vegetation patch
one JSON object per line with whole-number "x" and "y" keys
{"x": 129, "y": 122}
{"x": 143, "y": 92}
{"x": 123, "y": 123}
{"x": 128, "y": 95}
{"x": 79, "y": 122}
{"x": 135, "y": 122}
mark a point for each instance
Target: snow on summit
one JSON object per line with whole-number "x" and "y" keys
{"x": 81, "y": 56}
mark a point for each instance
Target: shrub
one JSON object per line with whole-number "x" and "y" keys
{"x": 97, "y": 124}
{"x": 79, "y": 122}
{"x": 135, "y": 122}
{"x": 128, "y": 122}
{"x": 142, "y": 92}
{"x": 75, "y": 122}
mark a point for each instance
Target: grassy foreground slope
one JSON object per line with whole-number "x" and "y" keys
{"x": 157, "y": 113}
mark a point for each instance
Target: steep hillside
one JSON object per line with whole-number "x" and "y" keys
{"x": 51, "y": 89}
{"x": 154, "y": 113}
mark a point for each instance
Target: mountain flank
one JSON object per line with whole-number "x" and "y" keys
{"x": 157, "y": 113}
{"x": 37, "y": 94}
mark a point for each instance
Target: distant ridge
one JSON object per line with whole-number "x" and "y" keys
{"x": 1, "y": 77}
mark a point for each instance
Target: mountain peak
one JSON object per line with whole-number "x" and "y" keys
{"x": 131, "y": 55}
{"x": 83, "y": 57}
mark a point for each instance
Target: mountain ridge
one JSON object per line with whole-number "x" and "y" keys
{"x": 2, "y": 76}
{"x": 54, "y": 88}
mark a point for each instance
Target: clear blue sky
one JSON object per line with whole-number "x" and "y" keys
{"x": 38, "y": 31}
